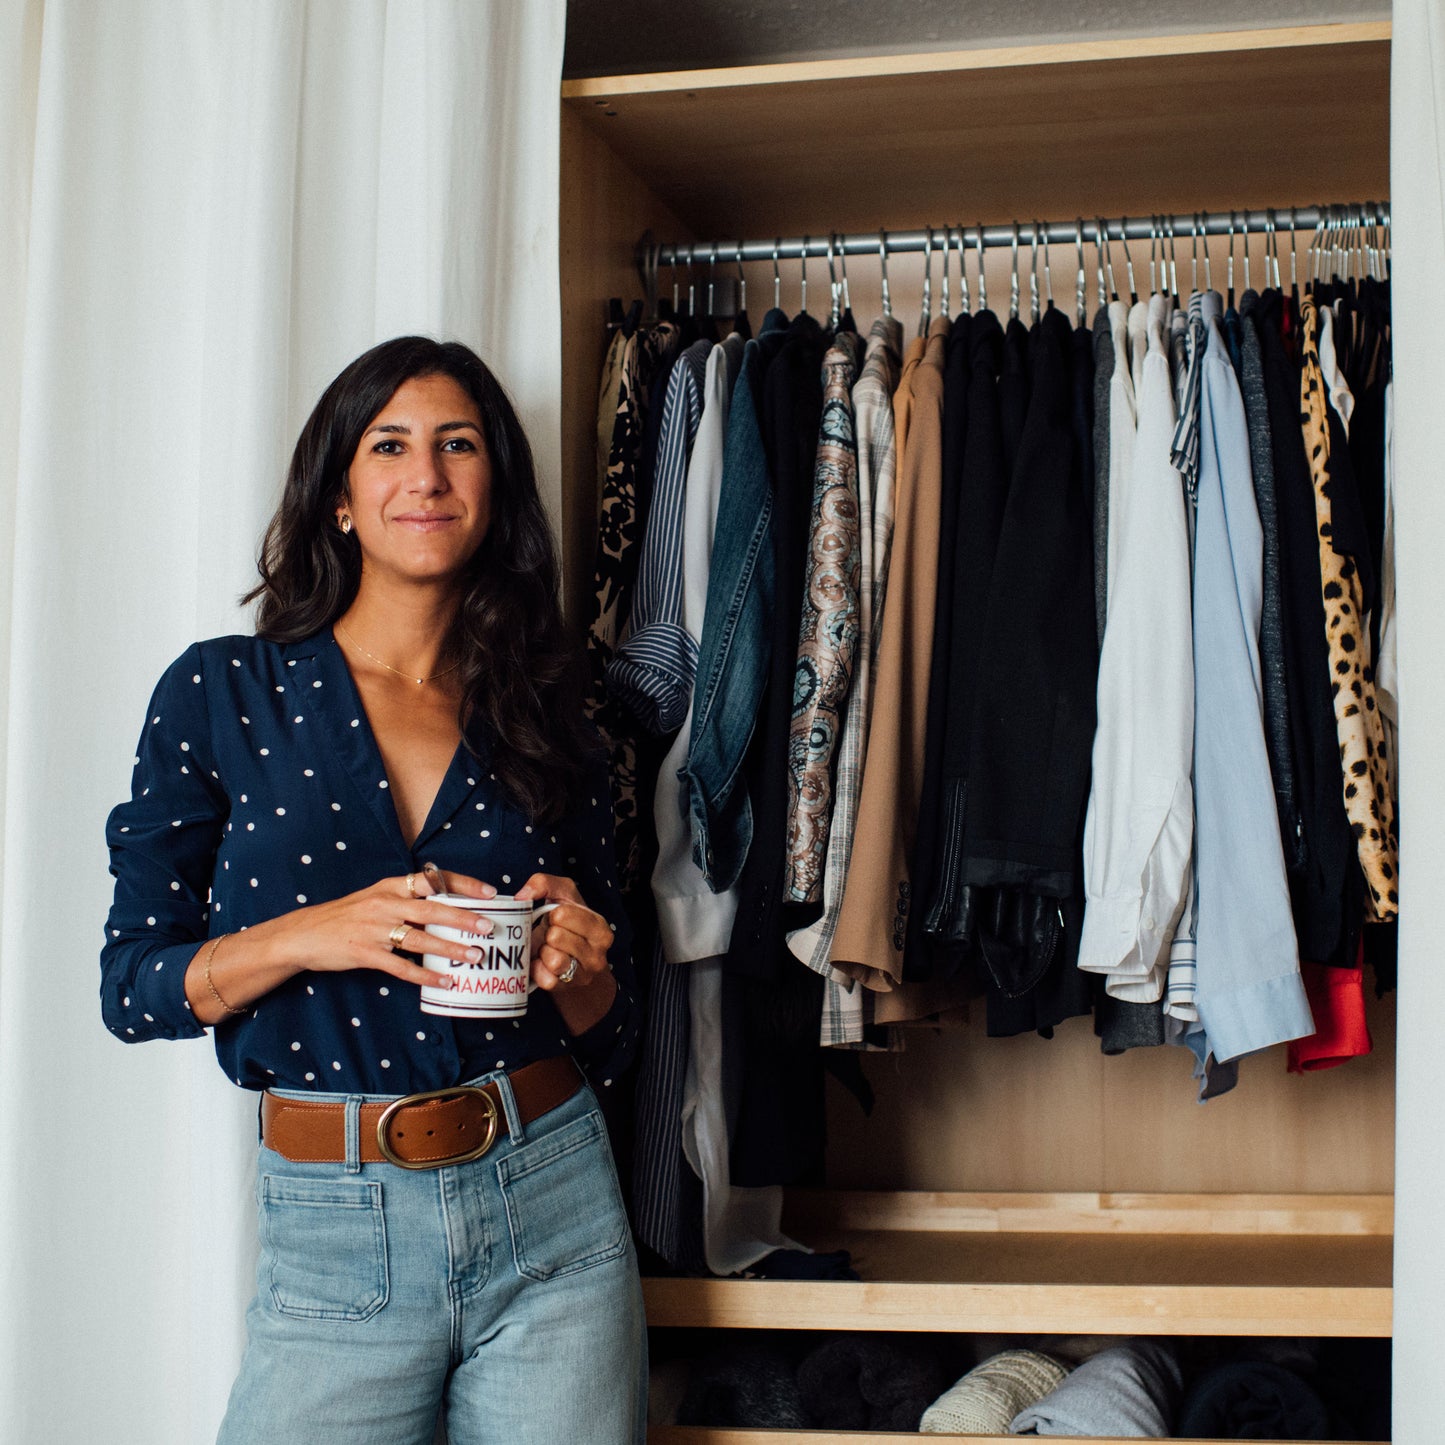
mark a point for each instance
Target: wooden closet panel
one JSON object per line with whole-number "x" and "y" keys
{"x": 604, "y": 208}
{"x": 960, "y": 1111}
{"x": 1063, "y": 135}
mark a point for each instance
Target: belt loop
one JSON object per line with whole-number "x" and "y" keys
{"x": 509, "y": 1110}
{"x": 353, "y": 1134}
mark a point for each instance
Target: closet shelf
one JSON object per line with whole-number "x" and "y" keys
{"x": 1070, "y": 1264}
{"x": 1050, "y": 129}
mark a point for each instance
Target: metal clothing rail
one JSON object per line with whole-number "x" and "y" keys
{"x": 1163, "y": 229}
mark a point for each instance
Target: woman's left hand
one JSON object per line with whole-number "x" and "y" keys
{"x": 571, "y": 934}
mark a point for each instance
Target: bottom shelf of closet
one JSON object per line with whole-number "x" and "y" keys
{"x": 709, "y": 1435}
{"x": 1116, "y": 1264}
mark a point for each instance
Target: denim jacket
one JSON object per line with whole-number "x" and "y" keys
{"x": 734, "y": 652}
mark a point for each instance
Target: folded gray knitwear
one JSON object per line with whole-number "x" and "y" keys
{"x": 1131, "y": 1391}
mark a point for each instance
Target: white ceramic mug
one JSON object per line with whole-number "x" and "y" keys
{"x": 497, "y": 987}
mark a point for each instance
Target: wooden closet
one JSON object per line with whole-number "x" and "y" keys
{"x": 1014, "y": 1185}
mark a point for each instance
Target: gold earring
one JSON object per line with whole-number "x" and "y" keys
{"x": 346, "y": 522}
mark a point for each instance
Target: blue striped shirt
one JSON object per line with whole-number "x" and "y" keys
{"x": 653, "y": 669}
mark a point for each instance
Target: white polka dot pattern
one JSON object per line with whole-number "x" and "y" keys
{"x": 230, "y": 819}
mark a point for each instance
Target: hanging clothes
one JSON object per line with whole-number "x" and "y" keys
{"x": 1138, "y": 833}
{"x": 773, "y": 1074}
{"x": 844, "y": 1019}
{"x": 1249, "y": 993}
{"x": 693, "y": 921}
{"x": 983, "y": 495}
{"x": 1326, "y": 889}
{"x": 1271, "y": 624}
{"x": 828, "y": 633}
{"x": 620, "y": 530}
{"x": 872, "y": 926}
{"x": 1363, "y": 750}
{"x": 1103, "y": 413}
{"x": 1037, "y": 674}
{"x": 791, "y": 413}
{"x": 919, "y": 963}
{"x": 651, "y": 672}
{"x": 732, "y": 667}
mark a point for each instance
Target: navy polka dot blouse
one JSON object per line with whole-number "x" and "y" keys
{"x": 258, "y": 788}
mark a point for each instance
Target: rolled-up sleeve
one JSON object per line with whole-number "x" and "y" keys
{"x": 163, "y": 844}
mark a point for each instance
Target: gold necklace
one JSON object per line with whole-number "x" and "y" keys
{"x": 380, "y": 663}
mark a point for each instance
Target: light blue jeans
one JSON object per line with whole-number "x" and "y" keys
{"x": 504, "y": 1291}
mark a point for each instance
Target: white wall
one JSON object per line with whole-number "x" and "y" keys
{"x": 1418, "y": 212}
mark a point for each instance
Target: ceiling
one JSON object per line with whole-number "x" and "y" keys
{"x": 619, "y": 37}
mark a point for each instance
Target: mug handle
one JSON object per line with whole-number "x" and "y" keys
{"x": 539, "y": 912}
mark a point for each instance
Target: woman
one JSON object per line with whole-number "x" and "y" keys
{"x": 402, "y": 722}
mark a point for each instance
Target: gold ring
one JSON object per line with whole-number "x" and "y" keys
{"x": 411, "y": 884}
{"x": 397, "y": 936}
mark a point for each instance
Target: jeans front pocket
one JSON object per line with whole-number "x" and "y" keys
{"x": 564, "y": 1207}
{"x": 325, "y": 1243}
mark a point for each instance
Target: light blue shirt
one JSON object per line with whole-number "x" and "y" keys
{"x": 1248, "y": 990}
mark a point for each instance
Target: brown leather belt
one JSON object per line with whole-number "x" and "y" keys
{"x": 417, "y": 1131}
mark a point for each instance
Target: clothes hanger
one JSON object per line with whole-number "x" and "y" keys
{"x": 803, "y": 278}
{"x": 1173, "y": 263}
{"x": 1193, "y": 252}
{"x": 965, "y": 302}
{"x": 1153, "y": 254}
{"x": 1013, "y": 290}
{"x": 1048, "y": 275}
{"x": 843, "y": 268}
{"x": 1229, "y": 269}
{"x": 1034, "y": 274}
{"x": 676, "y": 292}
{"x": 1106, "y": 262}
{"x": 834, "y": 290}
{"x": 1244, "y": 243}
{"x": 927, "y": 310}
{"x": 883, "y": 268}
{"x": 1080, "y": 280}
{"x": 777, "y": 279}
{"x": 982, "y": 280}
{"x": 649, "y": 278}
{"x": 741, "y": 324}
{"x": 1128, "y": 260}
{"x": 943, "y": 306}
{"x": 1208, "y": 266}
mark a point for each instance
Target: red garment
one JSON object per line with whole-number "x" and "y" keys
{"x": 1337, "y": 1001}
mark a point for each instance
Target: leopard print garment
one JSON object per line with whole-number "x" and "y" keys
{"x": 619, "y": 546}
{"x": 1364, "y": 753}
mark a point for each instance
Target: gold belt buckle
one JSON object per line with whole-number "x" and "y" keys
{"x": 383, "y": 1125}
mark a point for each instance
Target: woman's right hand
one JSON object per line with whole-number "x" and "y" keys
{"x": 355, "y": 931}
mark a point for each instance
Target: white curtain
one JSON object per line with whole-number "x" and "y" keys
{"x": 206, "y": 210}
{"x": 1417, "y": 203}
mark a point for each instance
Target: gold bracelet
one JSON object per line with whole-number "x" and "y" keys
{"x": 215, "y": 993}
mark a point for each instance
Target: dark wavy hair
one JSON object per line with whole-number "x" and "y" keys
{"x": 519, "y": 673}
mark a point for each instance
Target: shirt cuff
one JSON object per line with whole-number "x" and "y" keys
{"x": 596, "y": 1047}
{"x": 160, "y": 993}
